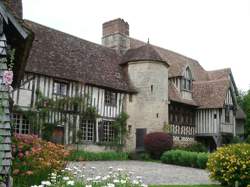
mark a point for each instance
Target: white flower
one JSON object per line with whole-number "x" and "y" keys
{"x": 93, "y": 168}
{"x": 110, "y": 168}
{"x": 123, "y": 181}
{"x": 89, "y": 179}
{"x": 97, "y": 177}
{"x": 115, "y": 181}
{"x": 47, "y": 183}
{"x": 135, "y": 182}
{"x": 119, "y": 169}
{"x": 111, "y": 185}
{"x": 66, "y": 178}
{"x": 88, "y": 185}
{"x": 144, "y": 185}
{"x": 70, "y": 183}
{"x": 138, "y": 177}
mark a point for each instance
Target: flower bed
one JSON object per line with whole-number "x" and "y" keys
{"x": 34, "y": 159}
{"x": 75, "y": 177}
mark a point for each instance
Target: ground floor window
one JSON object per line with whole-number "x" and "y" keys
{"x": 20, "y": 124}
{"x": 87, "y": 129}
{"x": 108, "y": 131}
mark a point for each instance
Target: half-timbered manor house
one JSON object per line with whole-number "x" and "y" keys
{"x": 159, "y": 89}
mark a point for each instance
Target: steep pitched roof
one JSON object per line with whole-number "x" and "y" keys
{"x": 145, "y": 52}
{"x": 177, "y": 62}
{"x": 219, "y": 74}
{"x": 61, "y": 55}
{"x": 210, "y": 94}
{"x": 175, "y": 96}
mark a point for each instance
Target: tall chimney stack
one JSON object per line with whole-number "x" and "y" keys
{"x": 115, "y": 35}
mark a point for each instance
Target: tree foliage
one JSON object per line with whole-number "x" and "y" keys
{"x": 244, "y": 102}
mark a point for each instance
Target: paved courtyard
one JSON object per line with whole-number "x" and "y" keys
{"x": 151, "y": 172}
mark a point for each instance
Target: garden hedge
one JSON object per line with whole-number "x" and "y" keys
{"x": 185, "y": 158}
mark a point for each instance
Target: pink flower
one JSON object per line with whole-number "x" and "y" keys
{"x": 8, "y": 77}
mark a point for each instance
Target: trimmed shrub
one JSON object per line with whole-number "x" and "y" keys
{"x": 157, "y": 143}
{"x": 34, "y": 159}
{"x": 196, "y": 147}
{"x": 231, "y": 163}
{"x": 247, "y": 140}
{"x": 235, "y": 140}
{"x": 92, "y": 156}
{"x": 185, "y": 158}
{"x": 139, "y": 156}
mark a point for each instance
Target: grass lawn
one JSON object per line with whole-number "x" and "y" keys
{"x": 213, "y": 185}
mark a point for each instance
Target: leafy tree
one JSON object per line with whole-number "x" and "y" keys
{"x": 244, "y": 102}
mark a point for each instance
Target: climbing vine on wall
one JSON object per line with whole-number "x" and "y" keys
{"x": 40, "y": 116}
{"x": 120, "y": 132}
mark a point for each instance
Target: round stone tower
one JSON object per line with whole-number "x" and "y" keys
{"x": 148, "y": 108}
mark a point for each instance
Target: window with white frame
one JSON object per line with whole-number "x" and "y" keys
{"x": 87, "y": 128}
{"x": 20, "y": 124}
{"x": 187, "y": 80}
{"x": 60, "y": 88}
{"x": 108, "y": 131}
{"x": 110, "y": 98}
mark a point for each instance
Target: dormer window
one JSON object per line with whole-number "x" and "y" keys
{"x": 187, "y": 80}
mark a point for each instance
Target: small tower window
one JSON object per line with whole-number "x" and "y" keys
{"x": 130, "y": 98}
{"x": 152, "y": 88}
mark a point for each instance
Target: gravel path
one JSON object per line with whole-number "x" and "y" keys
{"x": 151, "y": 172}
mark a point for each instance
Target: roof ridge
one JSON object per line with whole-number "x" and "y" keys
{"x": 228, "y": 68}
{"x": 70, "y": 35}
{"x": 166, "y": 49}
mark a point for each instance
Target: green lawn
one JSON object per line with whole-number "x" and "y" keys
{"x": 184, "y": 185}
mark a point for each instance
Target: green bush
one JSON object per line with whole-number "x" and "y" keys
{"x": 139, "y": 156}
{"x": 247, "y": 140}
{"x": 185, "y": 158}
{"x": 231, "y": 163}
{"x": 92, "y": 156}
{"x": 235, "y": 140}
{"x": 196, "y": 147}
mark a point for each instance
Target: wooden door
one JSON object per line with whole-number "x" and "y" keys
{"x": 140, "y": 134}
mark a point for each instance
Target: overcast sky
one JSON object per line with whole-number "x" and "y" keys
{"x": 214, "y": 32}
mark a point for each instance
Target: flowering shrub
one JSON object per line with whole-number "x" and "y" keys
{"x": 114, "y": 178}
{"x": 157, "y": 143}
{"x": 33, "y": 155}
{"x": 231, "y": 163}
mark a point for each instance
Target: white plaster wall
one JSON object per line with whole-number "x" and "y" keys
{"x": 146, "y": 104}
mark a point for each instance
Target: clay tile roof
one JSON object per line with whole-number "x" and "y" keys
{"x": 143, "y": 53}
{"x": 177, "y": 62}
{"x": 240, "y": 114}
{"x": 175, "y": 96}
{"x": 219, "y": 74}
{"x": 61, "y": 55}
{"x": 210, "y": 94}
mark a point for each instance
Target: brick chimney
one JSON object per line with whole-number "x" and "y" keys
{"x": 115, "y": 35}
